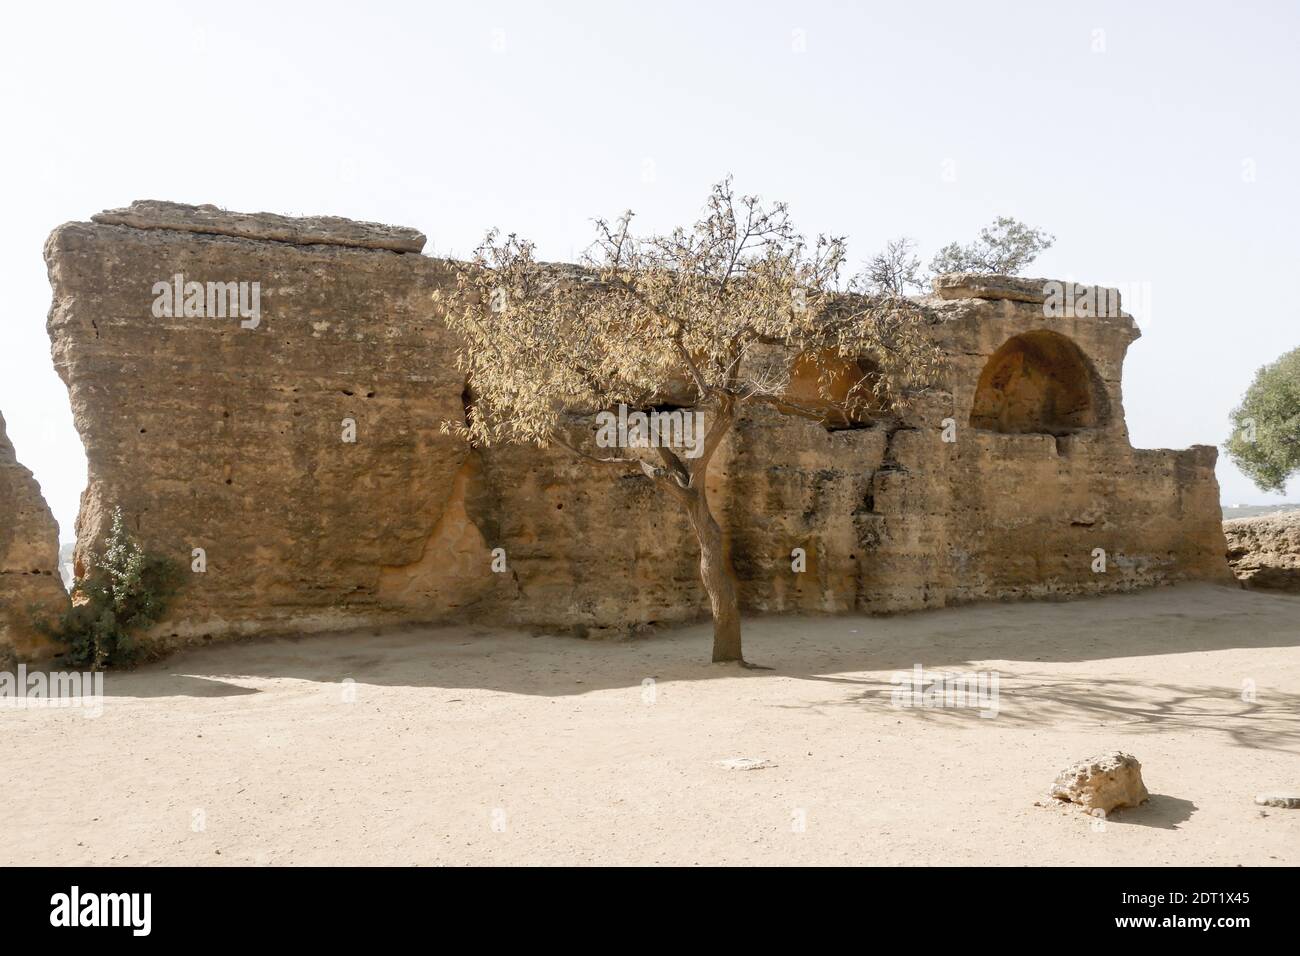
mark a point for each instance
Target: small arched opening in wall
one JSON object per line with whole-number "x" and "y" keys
{"x": 834, "y": 390}
{"x": 1038, "y": 382}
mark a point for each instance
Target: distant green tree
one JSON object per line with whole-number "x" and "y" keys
{"x": 1265, "y": 440}
{"x": 1004, "y": 248}
{"x": 123, "y": 591}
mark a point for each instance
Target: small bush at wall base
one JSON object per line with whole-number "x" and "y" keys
{"x": 122, "y": 593}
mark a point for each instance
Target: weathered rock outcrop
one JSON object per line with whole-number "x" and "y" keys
{"x": 232, "y": 437}
{"x": 1264, "y": 552}
{"x": 1103, "y": 783}
{"x": 29, "y": 557}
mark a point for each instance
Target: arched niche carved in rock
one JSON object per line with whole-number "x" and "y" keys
{"x": 1038, "y": 382}
{"x": 836, "y": 391}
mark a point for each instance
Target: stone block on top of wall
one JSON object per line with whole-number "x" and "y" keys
{"x": 1059, "y": 297}
{"x": 302, "y": 231}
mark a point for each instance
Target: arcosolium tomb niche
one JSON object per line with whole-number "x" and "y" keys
{"x": 1038, "y": 382}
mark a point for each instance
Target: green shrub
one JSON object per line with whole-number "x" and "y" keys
{"x": 123, "y": 592}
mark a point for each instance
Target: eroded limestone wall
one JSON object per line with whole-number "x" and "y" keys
{"x": 30, "y": 587}
{"x": 1264, "y": 552}
{"x": 229, "y": 438}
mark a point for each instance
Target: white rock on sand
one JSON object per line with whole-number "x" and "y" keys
{"x": 745, "y": 763}
{"x": 1287, "y": 801}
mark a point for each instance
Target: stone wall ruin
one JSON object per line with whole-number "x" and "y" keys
{"x": 216, "y": 435}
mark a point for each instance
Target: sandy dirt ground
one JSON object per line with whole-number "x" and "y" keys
{"x": 468, "y": 746}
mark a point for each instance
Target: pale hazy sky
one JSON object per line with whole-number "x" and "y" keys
{"x": 1160, "y": 142}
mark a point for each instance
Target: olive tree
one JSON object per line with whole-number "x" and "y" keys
{"x": 1265, "y": 440}
{"x": 670, "y": 321}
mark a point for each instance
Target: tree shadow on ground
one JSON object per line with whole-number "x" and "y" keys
{"x": 841, "y": 649}
{"x": 1265, "y": 719}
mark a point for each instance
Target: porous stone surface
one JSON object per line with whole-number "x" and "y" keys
{"x": 1104, "y": 783}
{"x": 230, "y": 439}
{"x": 215, "y": 436}
{"x": 304, "y": 230}
{"x": 1264, "y": 552}
{"x": 30, "y": 586}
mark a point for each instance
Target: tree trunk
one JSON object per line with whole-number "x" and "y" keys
{"x": 718, "y": 578}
